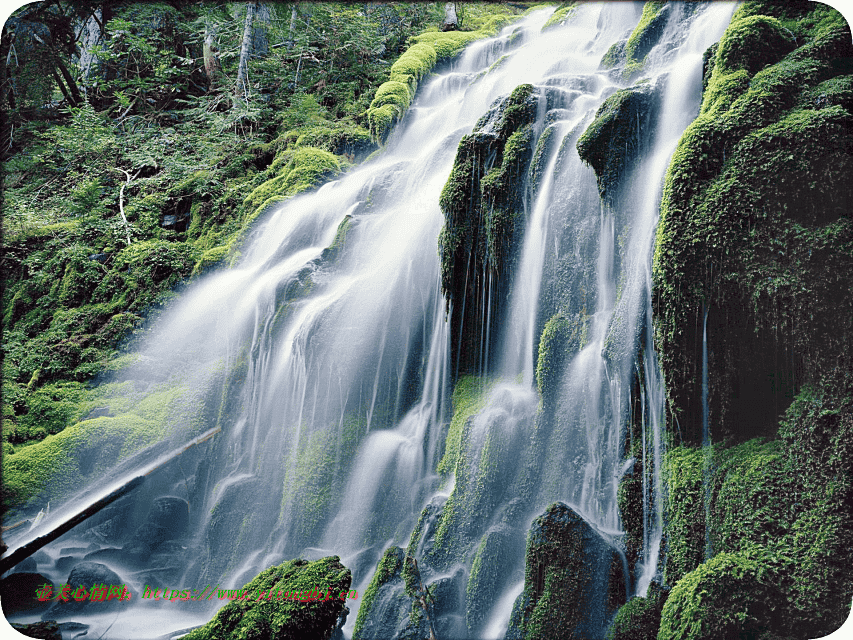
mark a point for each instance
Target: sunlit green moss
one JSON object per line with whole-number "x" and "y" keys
{"x": 285, "y": 618}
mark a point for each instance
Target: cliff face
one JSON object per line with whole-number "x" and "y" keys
{"x": 755, "y": 231}
{"x": 756, "y": 239}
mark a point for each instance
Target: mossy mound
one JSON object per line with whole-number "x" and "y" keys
{"x": 622, "y": 127}
{"x": 303, "y": 169}
{"x": 573, "y": 580}
{"x": 639, "y": 618}
{"x": 563, "y": 12}
{"x": 730, "y": 596}
{"x": 262, "y": 619}
{"x": 393, "y": 98}
{"x": 627, "y": 57}
{"x": 754, "y": 228}
{"x": 561, "y": 338}
{"x": 779, "y": 508}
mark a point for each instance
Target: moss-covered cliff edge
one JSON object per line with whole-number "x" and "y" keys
{"x": 755, "y": 239}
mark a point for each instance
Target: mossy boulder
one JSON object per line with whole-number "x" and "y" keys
{"x": 622, "y": 129}
{"x": 561, "y": 338}
{"x": 639, "y": 618}
{"x": 573, "y": 579}
{"x": 730, "y": 596}
{"x": 260, "y": 618}
{"x": 753, "y": 43}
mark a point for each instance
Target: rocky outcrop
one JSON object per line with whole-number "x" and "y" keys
{"x": 264, "y": 619}
{"x": 573, "y": 581}
{"x": 483, "y": 211}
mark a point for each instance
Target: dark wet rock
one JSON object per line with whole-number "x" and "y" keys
{"x": 67, "y": 551}
{"x": 85, "y": 574}
{"x": 171, "y": 513}
{"x": 622, "y": 130}
{"x": 573, "y": 580}
{"x": 47, "y": 630}
{"x": 18, "y": 592}
{"x": 64, "y": 563}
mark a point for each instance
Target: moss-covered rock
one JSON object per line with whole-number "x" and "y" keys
{"x": 302, "y": 169}
{"x": 730, "y": 596}
{"x": 482, "y": 205}
{"x": 563, "y": 13}
{"x": 573, "y": 579}
{"x": 639, "y": 618}
{"x": 560, "y": 339}
{"x": 753, "y": 226}
{"x": 378, "y": 615}
{"x": 263, "y": 616}
{"x": 622, "y": 128}
{"x": 393, "y": 98}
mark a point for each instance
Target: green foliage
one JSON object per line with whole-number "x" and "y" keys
{"x": 50, "y": 408}
{"x": 283, "y": 619}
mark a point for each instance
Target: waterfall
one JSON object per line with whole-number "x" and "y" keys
{"x": 325, "y": 357}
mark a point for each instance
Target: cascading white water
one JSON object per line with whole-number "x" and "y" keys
{"x": 333, "y": 372}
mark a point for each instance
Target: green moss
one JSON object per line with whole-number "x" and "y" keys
{"x": 564, "y": 11}
{"x": 560, "y": 337}
{"x": 730, "y": 596}
{"x": 53, "y": 406}
{"x": 639, "y": 618}
{"x": 752, "y": 43}
{"x": 282, "y": 619}
{"x": 321, "y": 465}
{"x": 567, "y": 564}
{"x": 305, "y": 168}
{"x": 469, "y": 397}
{"x": 426, "y": 50}
{"x": 684, "y": 511}
{"x": 754, "y": 189}
{"x": 209, "y": 259}
{"x": 615, "y": 55}
{"x": 52, "y": 468}
{"x": 389, "y": 567}
{"x": 645, "y": 36}
{"x": 612, "y": 142}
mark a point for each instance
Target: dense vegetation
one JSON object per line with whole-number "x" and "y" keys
{"x": 161, "y": 132}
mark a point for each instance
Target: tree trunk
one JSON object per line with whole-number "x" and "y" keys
{"x": 451, "y": 23}
{"x": 210, "y": 51}
{"x": 90, "y": 37}
{"x": 242, "y": 88}
{"x": 292, "y": 27}
{"x": 260, "y": 36}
